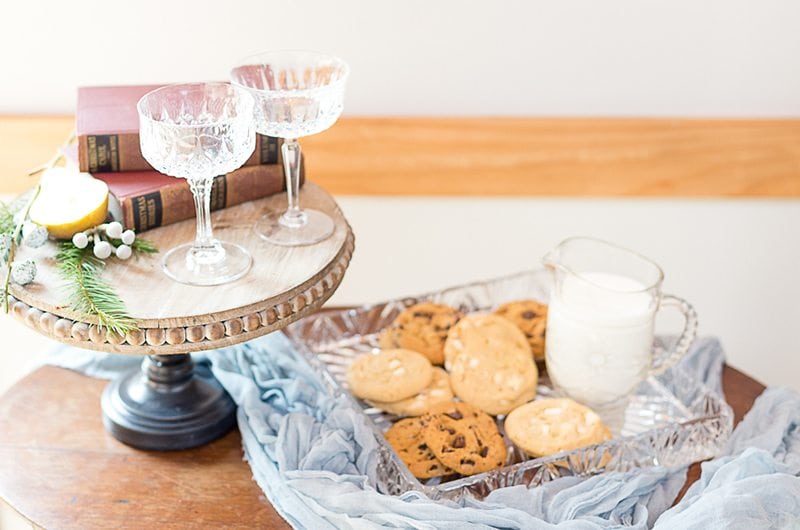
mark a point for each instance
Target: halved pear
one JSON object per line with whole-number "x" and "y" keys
{"x": 69, "y": 202}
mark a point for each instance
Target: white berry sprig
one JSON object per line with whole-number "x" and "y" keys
{"x": 107, "y": 239}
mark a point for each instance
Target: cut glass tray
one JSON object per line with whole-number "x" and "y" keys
{"x": 672, "y": 419}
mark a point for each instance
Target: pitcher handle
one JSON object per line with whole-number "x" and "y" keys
{"x": 663, "y": 359}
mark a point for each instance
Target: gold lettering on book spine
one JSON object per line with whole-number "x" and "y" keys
{"x": 102, "y": 153}
{"x": 114, "y": 152}
{"x": 151, "y": 214}
{"x": 102, "y": 156}
{"x": 141, "y": 205}
{"x": 91, "y": 148}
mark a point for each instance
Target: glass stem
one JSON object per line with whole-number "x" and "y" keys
{"x": 201, "y": 190}
{"x": 294, "y": 216}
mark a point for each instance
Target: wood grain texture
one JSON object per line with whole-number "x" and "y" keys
{"x": 284, "y": 284}
{"x": 511, "y": 156}
{"x": 26, "y": 142}
{"x": 559, "y": 157}
{"x": 60, "y": 468}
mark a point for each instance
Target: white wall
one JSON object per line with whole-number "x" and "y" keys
{"x": 447, "y": 57}
{"x": 737, "y": 260}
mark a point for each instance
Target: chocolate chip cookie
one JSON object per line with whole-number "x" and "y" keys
{"x": 530, "y": 317}
{"x": 406, "y": 438}
{"x": 422, "y": 328}
{"x": 390, "y": 375}
{"x": 464, "y": 438}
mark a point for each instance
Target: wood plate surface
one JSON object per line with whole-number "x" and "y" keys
{"x": 285, "y": 283}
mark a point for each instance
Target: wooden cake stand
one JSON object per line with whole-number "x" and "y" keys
{"x": 170, "y": 403}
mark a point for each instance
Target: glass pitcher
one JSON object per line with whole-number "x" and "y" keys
{"x": 601, "y": 320}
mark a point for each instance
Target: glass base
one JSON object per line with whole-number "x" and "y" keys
{"x": 613, "y": 414}
{"x": 275, "y": 228}
{"x": 221, "y": 263}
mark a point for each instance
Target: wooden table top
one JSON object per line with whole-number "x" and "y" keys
{"x": 60, "y": 468}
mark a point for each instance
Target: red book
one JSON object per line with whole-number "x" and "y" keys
{"x": 107, "y": 124}
{"x": 148, "y": 199}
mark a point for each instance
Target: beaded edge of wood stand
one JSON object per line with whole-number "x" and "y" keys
{"x": 187, "y": 339}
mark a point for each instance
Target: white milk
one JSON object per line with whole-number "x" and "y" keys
{"x": 599, "y": 336}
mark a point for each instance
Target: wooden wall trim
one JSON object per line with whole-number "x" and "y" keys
{"x": 578, "y": 157}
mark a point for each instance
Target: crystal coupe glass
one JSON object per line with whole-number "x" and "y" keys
{"x": 297, "y": 94}
{"x": 199, "y": 131}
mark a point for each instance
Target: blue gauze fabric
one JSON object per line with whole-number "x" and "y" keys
{"x": 316, "y": 459}
{"x": 758, "y": 484}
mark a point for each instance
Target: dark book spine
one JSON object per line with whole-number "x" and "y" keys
{"x": 268, "y": 148}
{"x": 143, "y": 212}
{"x": 101, "y": 153}
{"x": 174, "y": 203}
{"x": 110, "y": 153}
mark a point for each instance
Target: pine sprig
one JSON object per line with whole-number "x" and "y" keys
{"x": 6, "y": 219}
{"x": 143, "y": 246}
{"x": 9, "y": 210}
{"x": 139, "y": 245}
{"x": 88, "y": 293}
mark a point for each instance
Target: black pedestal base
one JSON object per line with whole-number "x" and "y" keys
{"x": 169, "y": 404}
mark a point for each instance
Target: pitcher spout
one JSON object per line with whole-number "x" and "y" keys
{"x": 595, "y": 261}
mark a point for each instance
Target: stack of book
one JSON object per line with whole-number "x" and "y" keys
{"x": 107, "y": 128}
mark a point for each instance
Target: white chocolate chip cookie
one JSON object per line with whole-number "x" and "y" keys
{"x": 490, "y": 363}
{"x": 390, "y": 375}
{"x": 483, "y": 333}
{"x": 548, "y": 426}
{"x": 437, "y": 392}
